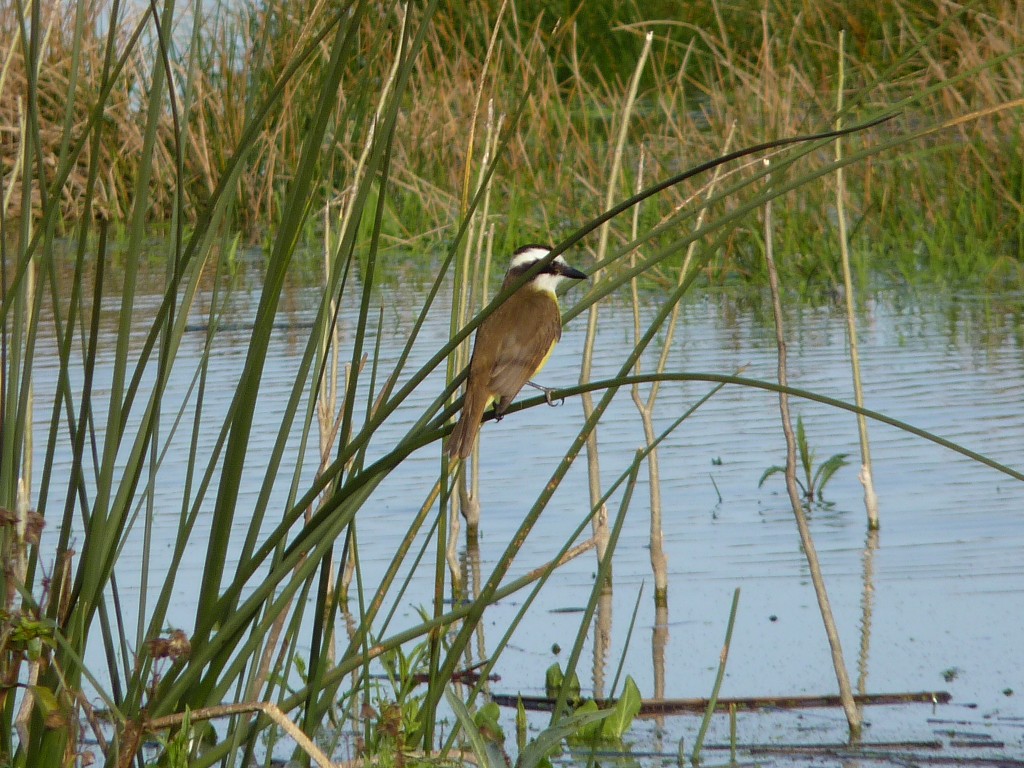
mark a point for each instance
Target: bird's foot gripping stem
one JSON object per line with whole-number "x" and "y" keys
{"x": 548, "y": 392}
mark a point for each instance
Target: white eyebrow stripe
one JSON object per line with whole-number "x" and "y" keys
{"x": 528, "y": 256}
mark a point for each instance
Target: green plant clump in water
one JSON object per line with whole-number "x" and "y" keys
{"x": 585, "y": 725}
{"x": 814, "y": 480}
{"x": 622, "y": 712}
{"x": 614, "y": 727}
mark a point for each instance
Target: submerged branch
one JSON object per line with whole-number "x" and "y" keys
{"x": 698, "y": 706}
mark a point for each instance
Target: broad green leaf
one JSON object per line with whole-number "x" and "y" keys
{"x": 626, "y": 708}
{"x": 589, "y": 731}
{"x": 549, "y": 741}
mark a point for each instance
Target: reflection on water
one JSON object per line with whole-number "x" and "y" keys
{"x": 944, "y": 575}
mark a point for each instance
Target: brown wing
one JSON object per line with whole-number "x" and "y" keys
{"x": 524, "y": 347}
{"x": 511, "y": 345}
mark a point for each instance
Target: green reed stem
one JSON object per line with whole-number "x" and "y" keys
{"x": 698, "y": 744}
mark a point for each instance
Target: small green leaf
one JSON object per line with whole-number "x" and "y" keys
{"x": 573, "y": 687}
{"x": 487, "y": 755}
{"x": 26, "y": 629}
{"x": 775, "y": 470}
{"x": 486, "y": 719}
{"x": 520, "y": 725}
{"x": 806, "y": 454}
{"x": 589, "y": 731}
{"x": 626, "y": 708}
{"x": 828, "y": 468}
{"x": 176, "y": 748}
{"x": 553, "y": 678}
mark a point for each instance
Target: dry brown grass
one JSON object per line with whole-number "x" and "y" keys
{"x": 767, "y": 74}
{"x": 121, "y": 138}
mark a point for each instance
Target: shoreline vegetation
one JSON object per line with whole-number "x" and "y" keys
{"x": 949, "y": 206}
{"x": 171, "y": 135}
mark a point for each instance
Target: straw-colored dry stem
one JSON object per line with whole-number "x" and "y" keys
{"x": 659, "y": 561}
{"x": 853, "y": 716}
{"x": 600, "y": 524}
{"x": 866, "y": 478}
{"x": 474, "y": 276}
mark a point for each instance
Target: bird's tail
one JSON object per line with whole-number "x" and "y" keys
{"x": 462, "y": 438}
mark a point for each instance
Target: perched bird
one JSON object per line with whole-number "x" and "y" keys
{"x": 513, "y": 343}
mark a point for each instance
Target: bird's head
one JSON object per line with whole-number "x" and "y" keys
{"x": 548, "y": 278}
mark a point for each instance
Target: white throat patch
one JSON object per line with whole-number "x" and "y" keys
{"x": 545, "y": 282}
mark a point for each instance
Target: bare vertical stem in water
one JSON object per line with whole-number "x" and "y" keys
{"x": 602, "y": 640}
{"x": 845, "y": 691}
{"x": 594, "y": 472}
{"x": 659, "y": 562}
{"x": 659, "y": 641}
{"x": 866, "y": 479}
{"x": 867, "y": 603}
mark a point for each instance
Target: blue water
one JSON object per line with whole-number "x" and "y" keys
{"x": 946, "y": 575}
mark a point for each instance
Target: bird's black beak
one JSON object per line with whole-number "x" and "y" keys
{"x": 567, "y": 271}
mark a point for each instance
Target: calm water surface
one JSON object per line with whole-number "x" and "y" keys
{"x": 939, "y": 593}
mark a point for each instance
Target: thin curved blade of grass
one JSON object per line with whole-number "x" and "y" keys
{"x": 720, "y": 675}
{"x": 609, "y": 384}
{"x": 485, "y": 750}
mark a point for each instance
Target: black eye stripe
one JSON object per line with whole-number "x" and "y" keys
{"x": 554, "y": 268}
